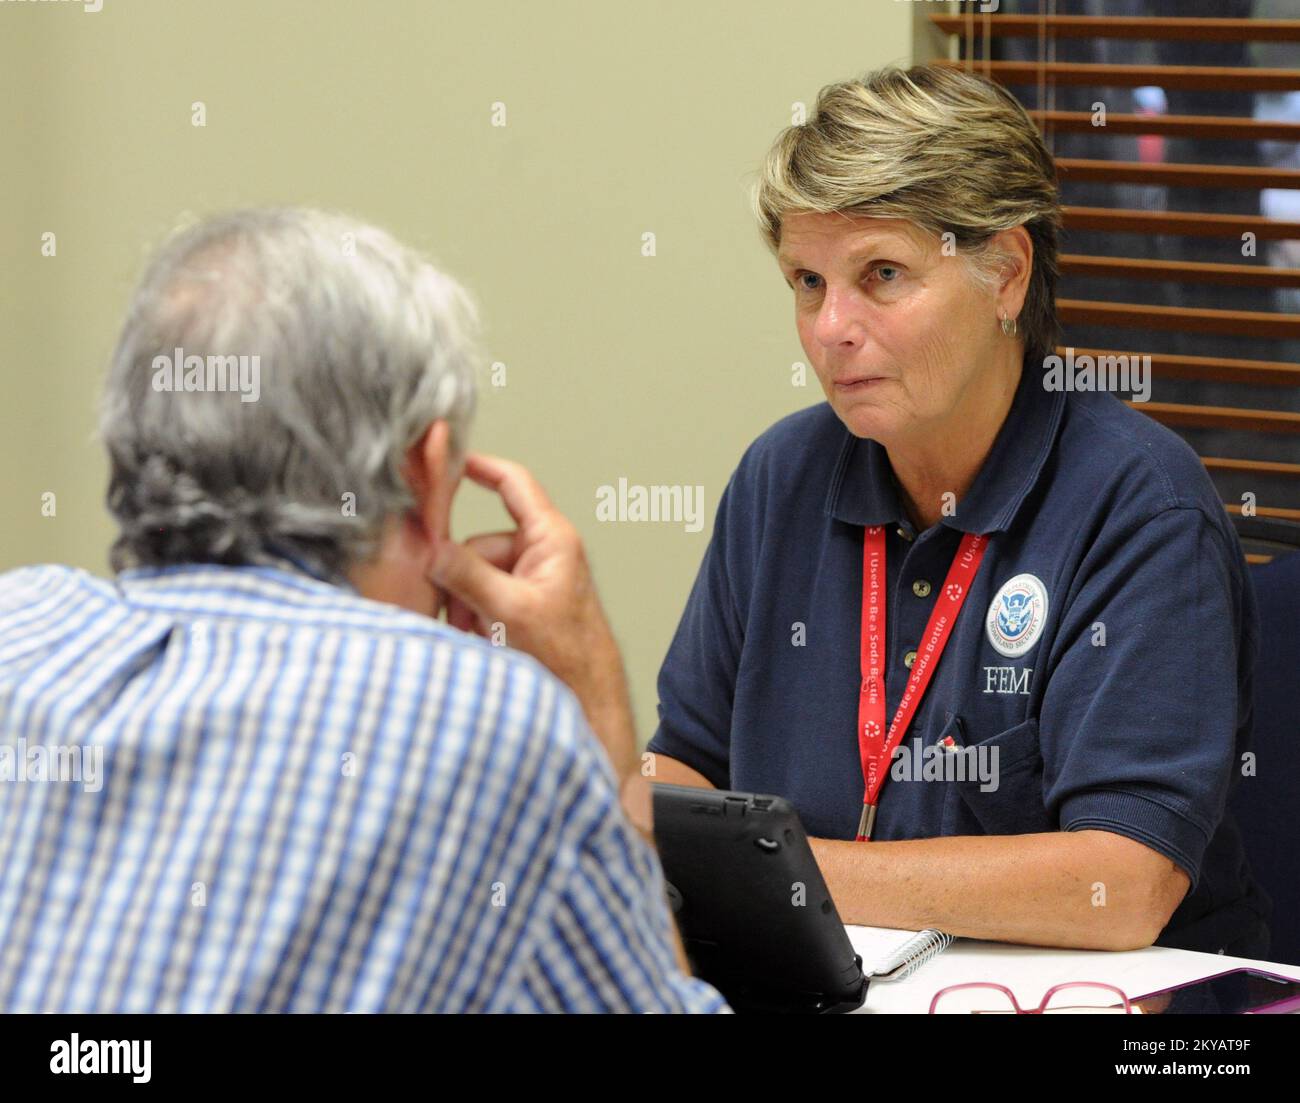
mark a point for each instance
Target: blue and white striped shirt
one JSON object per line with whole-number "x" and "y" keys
{"x": 305, "y": 801}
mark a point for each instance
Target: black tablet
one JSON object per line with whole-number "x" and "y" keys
{"x": 756, "y": 919}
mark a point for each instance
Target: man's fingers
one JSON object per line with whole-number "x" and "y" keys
{"x": 460, "y": 615}
{"x": 524, "y": 498}
{"x": 498, "y": 548}
{"x": 465, "y": 574}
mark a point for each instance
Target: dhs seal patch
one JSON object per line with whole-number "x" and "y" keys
{"x": 1017, "y": 615}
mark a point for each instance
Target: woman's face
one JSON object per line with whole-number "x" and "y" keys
{"x": 896, "y": 331}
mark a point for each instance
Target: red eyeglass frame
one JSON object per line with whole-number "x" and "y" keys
{"x": 1128, "y": 1007}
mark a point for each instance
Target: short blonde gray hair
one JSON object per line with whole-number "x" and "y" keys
{"x": 937, "y": 147}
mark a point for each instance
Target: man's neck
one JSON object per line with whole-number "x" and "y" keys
{"x": 945, "y": 459}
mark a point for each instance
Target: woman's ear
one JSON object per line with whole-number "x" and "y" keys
{"x": 1017, "y": 247}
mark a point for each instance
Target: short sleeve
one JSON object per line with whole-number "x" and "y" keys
{"x": 1139, "y": 722}
{"x": 608, "y": 948}
{"x": 697, "y": 682}
{"x": 607, "y": 945}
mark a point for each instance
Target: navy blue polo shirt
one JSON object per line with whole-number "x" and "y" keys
{"x": 1103, "y": 655}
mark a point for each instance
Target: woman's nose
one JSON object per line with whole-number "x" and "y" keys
{"x": 839, "y": 320}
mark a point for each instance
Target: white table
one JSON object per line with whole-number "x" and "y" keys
{"x": 1029, "y": 971}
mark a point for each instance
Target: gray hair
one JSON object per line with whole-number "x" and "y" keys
{"x": 362, "y": 345}
{"x": 943, "y": 149}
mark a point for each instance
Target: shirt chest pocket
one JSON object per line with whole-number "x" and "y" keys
{"x": 1000, "y": 792}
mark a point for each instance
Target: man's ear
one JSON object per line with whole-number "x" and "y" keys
{"x": 429, "y": 475}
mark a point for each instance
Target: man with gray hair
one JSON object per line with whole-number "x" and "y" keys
{"x": 317, "y": 796}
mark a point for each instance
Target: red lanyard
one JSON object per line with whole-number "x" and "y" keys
{"x": 876, "y": 746}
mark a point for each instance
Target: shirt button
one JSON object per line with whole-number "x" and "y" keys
{"x": 921, "y": 588}
{"x": 903, "y": 533}
{"x": 909, "y": 659}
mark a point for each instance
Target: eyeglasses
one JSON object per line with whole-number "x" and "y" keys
{"x": 1075, "y": 997}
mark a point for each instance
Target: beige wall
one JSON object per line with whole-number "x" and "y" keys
{"x": 623, "y": 118}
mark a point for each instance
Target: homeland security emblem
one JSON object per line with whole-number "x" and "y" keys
{"x": 1017, "y": 615}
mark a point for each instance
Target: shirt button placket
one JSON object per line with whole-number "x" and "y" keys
{"x": 921, "y": 588}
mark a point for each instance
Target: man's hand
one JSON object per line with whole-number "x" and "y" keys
{"x": 536, "y": 582}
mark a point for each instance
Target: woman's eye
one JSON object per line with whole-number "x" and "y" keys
{"x": 810, "y": 281}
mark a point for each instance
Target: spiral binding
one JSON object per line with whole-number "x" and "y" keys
{"x": 913, "y": 954}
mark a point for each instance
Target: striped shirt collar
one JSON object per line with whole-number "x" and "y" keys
{"x": 273, "y": 589}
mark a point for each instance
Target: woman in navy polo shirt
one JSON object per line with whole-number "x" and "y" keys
{"x": 991, "y": 637}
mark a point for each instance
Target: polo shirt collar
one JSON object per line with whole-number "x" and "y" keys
{"x": 863, "y": 490}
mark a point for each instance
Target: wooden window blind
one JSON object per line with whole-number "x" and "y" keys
{"x": 1177, "y": 146}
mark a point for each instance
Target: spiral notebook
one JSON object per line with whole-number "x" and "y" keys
{"x": 911, "y": 955}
